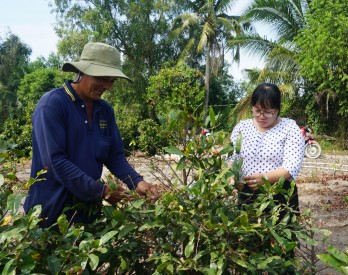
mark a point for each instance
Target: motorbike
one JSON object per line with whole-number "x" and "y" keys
{"x": 313, "y": 148}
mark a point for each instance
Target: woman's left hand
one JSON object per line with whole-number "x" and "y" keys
{"x": 254, "y": 180}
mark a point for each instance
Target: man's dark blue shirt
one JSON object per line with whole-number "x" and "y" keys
{"x": 73, "y": 153}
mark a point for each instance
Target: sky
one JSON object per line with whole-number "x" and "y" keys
{"x": 32, "y": 22}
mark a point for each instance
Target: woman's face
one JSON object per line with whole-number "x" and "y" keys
{"x": 265, "y": 118}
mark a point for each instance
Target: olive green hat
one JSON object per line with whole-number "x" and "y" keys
{"x": 97, "y": 59}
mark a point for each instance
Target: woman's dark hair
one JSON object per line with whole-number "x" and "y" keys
{"x": 267, "y": 95}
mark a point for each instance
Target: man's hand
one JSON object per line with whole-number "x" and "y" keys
{"x": 146, "y": 189}
{"x": 114, "y": 196}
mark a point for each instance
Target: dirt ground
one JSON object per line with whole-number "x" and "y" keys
{"x": 322, "y": 187}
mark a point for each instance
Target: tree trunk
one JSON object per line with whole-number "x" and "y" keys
{"x": 207, "y": 81}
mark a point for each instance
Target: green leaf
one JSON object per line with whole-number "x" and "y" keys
{"x": 212, "y": 117}
{"x": 265, "y": 263}
{"x": 14, "y": 202}
{"x": 226, "y": 150}
{"x": 306, "y": 238}
{"x": 222, "y": 174}
{"x": 331, "y": 261}
{"x": 137, "y": 204}
{"x": 245, "y": 264}
{"x": 53, "y": 264}
{"x": 161, "y": 267}
{"x": 276, "y": 236}
{"x": 199, "y": 255}
{"x": 94, "y": 261}
{"x": 170, "y": 268}
{"x": 125, "y": 230}
{"x": 106, "y": 237}
{"x": 63, "y": 224}
{"x": 244, "y": 220}
{"x": 262, "y": 207}
{"x": 84, "y": 261}
{"x": 15, "y": 233}
{"x": 238, "y": 143}
{"x": 188, "y": 249}
{"x": 2, "y": 180}
{"x": 7, "y": 267}
{"x": 123, "y": 265}
{"x": 338, "y": 254}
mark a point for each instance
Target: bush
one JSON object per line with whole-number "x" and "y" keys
{"x": 198, "y": 228}
{"x": 152, "y": 137}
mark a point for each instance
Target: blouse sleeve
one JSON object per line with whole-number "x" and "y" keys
{"x": 293, "y": 150}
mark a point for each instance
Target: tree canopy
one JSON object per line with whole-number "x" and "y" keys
{"x": 323, "y": 44}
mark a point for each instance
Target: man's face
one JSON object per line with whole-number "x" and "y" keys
{"x": 93, "y": 87}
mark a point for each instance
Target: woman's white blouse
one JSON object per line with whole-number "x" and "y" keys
{"x": 281, "y": 146}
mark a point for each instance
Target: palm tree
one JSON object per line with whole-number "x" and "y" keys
{"x": 285, "y": 18}
{"x": 207, "y": 27}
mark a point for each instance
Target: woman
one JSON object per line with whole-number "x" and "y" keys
{"x": 272, "y": 146}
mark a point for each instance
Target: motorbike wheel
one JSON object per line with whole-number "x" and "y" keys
{"x": 313, "y": 151}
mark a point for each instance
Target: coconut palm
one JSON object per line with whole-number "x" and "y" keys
{"x": 285, "y": 18}
{"x": 207, "y": 27}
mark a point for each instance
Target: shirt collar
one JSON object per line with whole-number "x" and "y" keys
{"x": 73, "y": 95}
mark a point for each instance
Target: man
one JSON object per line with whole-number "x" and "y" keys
{"x": 74, "y": 135}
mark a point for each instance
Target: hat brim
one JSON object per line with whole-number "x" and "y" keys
{"x": 93, "y": 69}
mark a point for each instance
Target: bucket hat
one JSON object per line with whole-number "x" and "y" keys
{"x": 97, "y": 59}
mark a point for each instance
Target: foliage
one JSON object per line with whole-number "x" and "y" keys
{"x": 9, "y": 154}
{"x": 38, "y": 82}
{"x": 224, "y": 96}
{"x": 17, "y": 130}
{"x": 206, "y": 26}
{"x": 323, "y": 44}
{"x": 336, "y": 259}
{"x": 14, "y": 55}
{"x": 53, "y": 61}
{"x": 284, "y": 19}
{"x": 195, "y": 228}
{"x": 175, "y": 88}
{"x": 129, "y": 111}
{"x": 138, "y": 29}
{"x": 152, "y": 137}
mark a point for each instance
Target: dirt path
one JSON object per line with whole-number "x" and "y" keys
{"x": 322, "y": 187}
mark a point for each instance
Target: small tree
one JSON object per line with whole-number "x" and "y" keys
{"x": 17, "y": 129}
{"x": 175, "y": 88}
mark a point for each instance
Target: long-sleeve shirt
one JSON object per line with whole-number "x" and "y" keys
{"x": 73, "y": 153}
{"x": 281, "y": 146}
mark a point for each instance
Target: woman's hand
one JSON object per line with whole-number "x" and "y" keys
{"x": 254, "y": 180}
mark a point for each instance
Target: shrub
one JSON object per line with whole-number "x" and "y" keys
{"x": 191, "y": 229}
{"x": 152, "y": 137}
